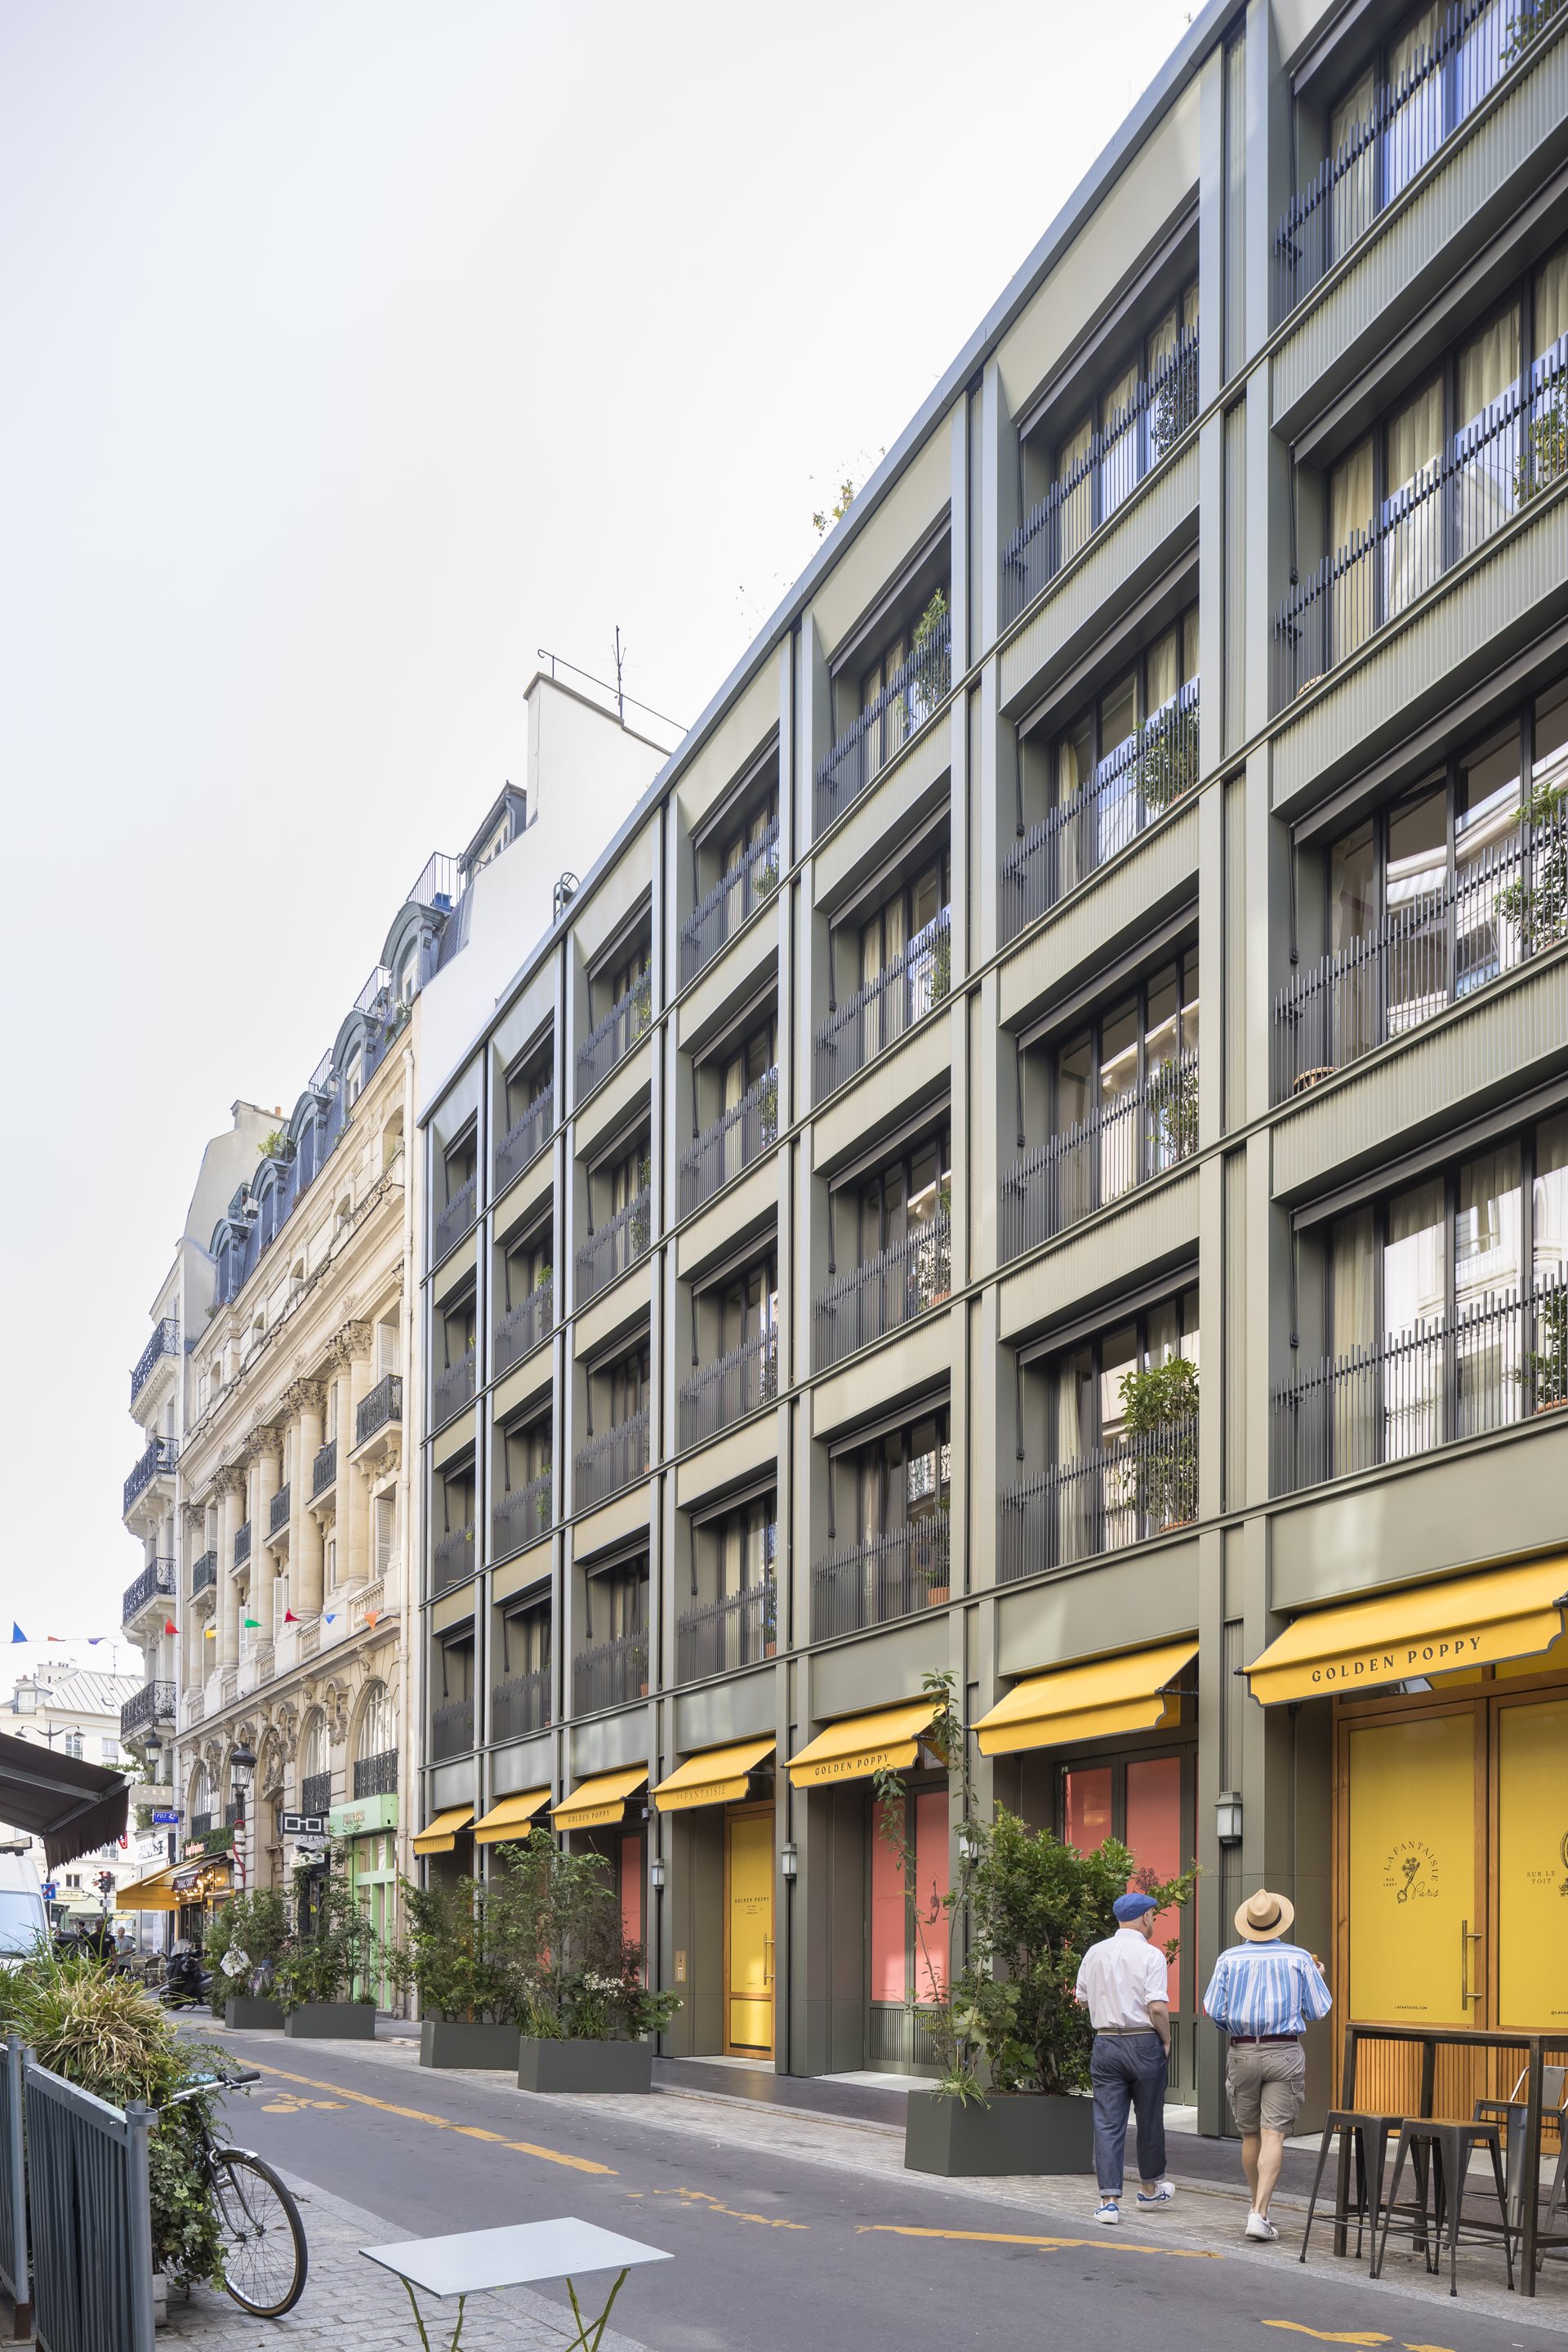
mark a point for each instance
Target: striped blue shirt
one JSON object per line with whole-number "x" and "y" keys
{"x": 1260, "y": 1989}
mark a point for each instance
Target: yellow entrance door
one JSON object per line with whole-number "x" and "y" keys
{"x": 1533, "y": 1864}
{"x": 749, "y": 1992}
{"x": 1415, "y": 1933}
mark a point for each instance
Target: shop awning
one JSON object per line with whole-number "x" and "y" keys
{"x": 858, "y": 1745}
{"x": 153, "y": 1893}
{"x": 72, "y": 1805}
{"x": 511, "y": 1818}
{"x": 719, "y": 1776}
{"x": 1423, "y": 1629}
{"x": 441, "y": 1834}
{"x": 595, "y": 1804}
{"x": 1099, "y": 1700}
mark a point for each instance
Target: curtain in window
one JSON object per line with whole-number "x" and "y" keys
{"x": 1351, "y": 488}
{"x": 1118, "y": 429}
{"x": 1077, "y": 481}
{"x": 1487, "y": 1239}
{"x": 1415, "y": 124}
{"x": 1354, "y": 154}
{"x": 1414, "y": 1297}
{"x": 1548, "y": 1323}
{"x": 1413, "y": 543}
{"x": 1486, "y": 446}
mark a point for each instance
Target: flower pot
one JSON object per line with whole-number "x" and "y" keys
{"x": 461, "y": 2042}
{"x": 1168, "y": 1527}
{"x": 556, "y": 2066}
{"x": 642, "y": 1690}
{"x": 1552, "y": 1404}
{"x": 331, "y": 2021}
{"x": 246, "y": 2014}
{"x": 1015, "y": 2131}
{"x": 938, "y": 1595}
{"x": 770, "y": 1649}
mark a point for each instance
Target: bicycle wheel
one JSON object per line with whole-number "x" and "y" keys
{"x": 264, "y": 2256}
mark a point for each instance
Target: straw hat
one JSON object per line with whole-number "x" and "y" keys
{"x": 1264, "y": 1916}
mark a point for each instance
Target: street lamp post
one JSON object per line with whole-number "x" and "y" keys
{"x": 241, "y": 1771}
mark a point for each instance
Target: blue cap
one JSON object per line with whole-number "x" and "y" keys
{"x": 1133, "y": 1906}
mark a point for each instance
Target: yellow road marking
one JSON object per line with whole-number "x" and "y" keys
{"x": 1003, "y": 2238}
{"x": 701, "y": 2197}
{"x": 1322, "y": 2335}
{"x": 442, "y": 2123}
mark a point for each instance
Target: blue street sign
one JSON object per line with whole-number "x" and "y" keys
{"x": 166, "y": 1821}
{"x": 49, "y": 1890}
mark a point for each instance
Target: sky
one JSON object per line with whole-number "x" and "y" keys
{"x": 354, "y": 351}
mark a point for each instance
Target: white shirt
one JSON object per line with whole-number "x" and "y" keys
{"x": 1119, "y": 1978}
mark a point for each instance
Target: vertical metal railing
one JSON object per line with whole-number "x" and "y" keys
{"x": 734, "y": 897}
{"x": 520, "y": 1516}
{"x": 887, "y": 1576}
{"x": 521, "y": 1327}
{"x": 718, "y": 1636}
{"x": 1122, "y": 1492}
{"x": 894, "y": 1285}
{"x": 913, "y": 983}
{"x": 620, "y": 1241}
{"x": 1121, "y": 1144}
{"x": 526, "y": 1137}
{"x": 629, "y": 1018}
{"x": 737, "y": 1137}
{"x": 915, "y": 694}
{"x": 13, "y": 2177}
{"x": 729, "y": 1389}
{"x": 91, "y": 2206}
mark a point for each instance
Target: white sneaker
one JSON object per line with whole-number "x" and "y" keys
{"x": 1259, "y": 2225}
{"x": 1161, "y": 2194}
{"x": 1106, "y": 2214}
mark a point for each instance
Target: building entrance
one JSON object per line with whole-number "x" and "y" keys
{"x": 749, "y": 1930}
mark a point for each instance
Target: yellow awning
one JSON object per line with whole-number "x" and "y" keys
{"x": 1426, "y": 1629}
{"x": 153, "y": 1893}
{"x": 717, "y": 1777}
{"x": 595, "y": 1804}
{"x": 441, "y": 1835}
{"x": 1105, "y": 1698}
{"x": 858, "y": 1745}
{"x": 511, "y": 1818}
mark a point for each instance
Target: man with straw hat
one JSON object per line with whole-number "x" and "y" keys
{"x": 1264, "y": 1993}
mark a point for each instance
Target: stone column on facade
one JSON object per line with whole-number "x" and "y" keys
{"x": 231, "y": 1487}
{"x": 306, "y": 1401}
{"x": 354, "y": 1487}
{"x": 263, "y": 1567}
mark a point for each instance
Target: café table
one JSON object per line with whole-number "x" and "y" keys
{"x": 475, "y": 2262}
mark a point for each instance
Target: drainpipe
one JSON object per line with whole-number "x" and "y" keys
{"x": 413, "y": 1692}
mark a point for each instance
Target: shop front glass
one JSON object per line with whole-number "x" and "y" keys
{"x": 1148, "y": 1802}
{"x": 908, "y": 1941}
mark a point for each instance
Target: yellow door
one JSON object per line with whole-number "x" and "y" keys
{"x": 1414, "y": 1929}
{"x": 749, "y": 1995}
{"x": 1533, "y": 1864}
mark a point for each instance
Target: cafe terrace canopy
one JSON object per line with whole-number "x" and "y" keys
{"x": 1415, "y": 1630}
{"x": 72, "y": 1805}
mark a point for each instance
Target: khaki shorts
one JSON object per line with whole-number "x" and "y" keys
{"x": 1266, "y": 2082}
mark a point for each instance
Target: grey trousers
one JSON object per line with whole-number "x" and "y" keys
{"x": 1128, "y": 2071}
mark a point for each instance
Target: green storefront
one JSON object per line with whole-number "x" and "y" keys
{"x": 369, "y": 1829}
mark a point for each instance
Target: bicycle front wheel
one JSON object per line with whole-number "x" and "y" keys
{"x": 264, "y": 2256}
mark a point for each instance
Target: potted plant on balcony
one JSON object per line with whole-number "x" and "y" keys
{"x": 464, "y": 1991}
{"x": 254, "y": 1929}
{"x": 326, "y": 1972}
{"x": 930, "y": 662}
{"x": 1540, "y": 907}
{"x": 1160, "y": 1419}
{"x": 1546, "y": 1367}
{"x": 1168, "y": 757}
{"x": 582, "y": 2010}
{"x": 1173, "y": 1101}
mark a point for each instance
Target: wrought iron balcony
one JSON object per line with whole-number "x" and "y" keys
{"x": 451, "y": 1730}
{"x": 521, "y": 1704}
{"x": 526, "y": 1137}
{"x": 453, "y": 1222}
{"x": 204, "y": 1574}
{"x": 1123, "y": 1492}
{"x": 158, "y": 1462}
{"x": 1122, "y": 1143}
{"x": 619, "y": 1244}
{"x": 521, "y": 1516}
{"x": 200, "y": 1824}
{"x": 242, "y": 1544}
{"x": 156, "y": 1579}
{"x": 452, "y": 1387}
{"x": 277, "y": 1511}
{"x": 376, "y": 1776}
{"x": 720, "y": 1635}
{"x": 519, "y": 1328}
{"x": 885, "y": 1576}
{"x": 608, "y": 1674}
{"x": 165, "y": 1342}
{"x": 739, "y": 1137}
{"x": 154, "y": 1703}
{"x": 325, "y": 1469}
{"x": 615, "y": 1459}
{"x": 914, "y": 694}
{"x": 735, "y": 1385}
{"x": 627, "y": 1021}
{"x": 904, "y": 1280}
{"x": 316, "y": 1793}
{"x": 913, "y": 983}
{"x": 384, "y": 1405}
{"x": 732, "y": 900}
{"x": 452, "y": 1560}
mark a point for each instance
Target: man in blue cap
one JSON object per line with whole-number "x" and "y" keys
{"x": 1122, "y": 1982}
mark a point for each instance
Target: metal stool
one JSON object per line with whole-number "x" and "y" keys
{"x": 1447, "y": 2145}
{"x": 1368, "y": 2136}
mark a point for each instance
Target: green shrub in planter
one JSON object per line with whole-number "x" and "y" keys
{"x": 466, "y": 1997}
{"x": 554, "y": 1927}
{"x": 324, "y": 1958}
{"x": 244, "y": 1943}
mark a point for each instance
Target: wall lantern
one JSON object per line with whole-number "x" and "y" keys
{"x": 241, "y": 1771}
{"x": 789, "y": 1861}
{"x": 656, "y": 1873}
{"x": 1227, "y": 1816}
{"x": 968, "y": 1843}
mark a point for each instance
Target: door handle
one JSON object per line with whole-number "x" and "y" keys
{"x": 767, "y": 1960}
{"x": 1466, "y": 1939}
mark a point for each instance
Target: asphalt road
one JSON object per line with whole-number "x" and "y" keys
{"x": 775, "y": 2251}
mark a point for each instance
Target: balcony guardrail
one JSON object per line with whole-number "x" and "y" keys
{"x": 720, "y": 1635}
{"x": 904, "y": 1280}
{"x": 382, "y": 1405}
{"x": 729, "y": 1389}
{"x": 277, "y": 1510}
{"x": 1119, "y": 454}
{"x": 316, "y": 1793}
{"x": 158, "y": 1462}
{"x": 1514, "y": 452}
{"x": 204, "y": 1574}
{"x": 738, "y": 1137}
{"x": 519, "y": 1328}
{"x": 1130, "y": 790}
{"x": 1121, "y": 1493}
{"x": 156, "y": 1577}
{"x": 376, "y": 1776}
{"x": 1121, "y": 1145}
{"x": 1503, "y": 906}
{"x": 915, "y": 693}
{"x": 627, "y": 1020}
{"x": 200, "y": 1824}
{"x": 1489, "y": 1366}
{"x": 621, "y": 1243}
{"x": 526, "y": 1137}
{"x": 521, "y": 1516}
{"x": 607, "y": 1673}
{"x": 615, "y": 1459}
{"x": 453, "y": 1222}
{"x": 151, "y": 1705}
{"x": 521, "y": 1704}
{"x": 885, "y": 1576}
{"x": 732, "y": 900}
{"x": 325, "y": 1469}
{"x": 451, "y": 1729}
{"x": 165, "y": 1342}
{"x": 242, "y": 1544}
{"x": 452, "y": 1558}
{"x": 913, "y": 983}
{"x": 453, "y": 1387}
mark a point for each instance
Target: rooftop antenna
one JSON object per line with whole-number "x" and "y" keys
{"x": 620, "y": 681}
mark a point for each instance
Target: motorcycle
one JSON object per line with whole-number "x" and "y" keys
{"x": 186, "y": 1984}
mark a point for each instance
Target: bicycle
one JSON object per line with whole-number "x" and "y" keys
{"x": 265, "y": 2259}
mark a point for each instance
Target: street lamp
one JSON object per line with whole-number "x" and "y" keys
{"x": 656, "y": 1873}
{"x": 153, "y": 1752}
{"x": 241, "y": 1772}
{"x": 1228, "y": 1817}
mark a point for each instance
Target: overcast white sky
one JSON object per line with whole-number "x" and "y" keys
{"x": 351, "y": 352}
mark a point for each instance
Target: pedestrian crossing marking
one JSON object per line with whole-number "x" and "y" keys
{"x": 440, "y": 2122}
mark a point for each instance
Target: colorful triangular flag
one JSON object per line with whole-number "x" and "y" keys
{"x": 332, "y": 1617}
{"x": 210, "y": 1634}
{"x": 251, "y": 1624}
{"x": 370, "y": 1615}
{"x": 170, "y": 1626}
{"x": 290, "y": 1618}
{"x": 16, "y": 1632}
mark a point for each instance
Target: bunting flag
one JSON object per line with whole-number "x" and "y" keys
{"x": 16, "y": 1632}
{"x": 170, "y": 1626}
{"x": 370, "y": 1615}
{"x": 290, "y": 1618}
{"x": 251, "y": 1624}
{"x": 210, "y": 1635}
{"x": 332, "y": 1617}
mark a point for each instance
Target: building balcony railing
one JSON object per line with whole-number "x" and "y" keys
{"x": 618, "y": 1244}
{"x": 1407, "y": 121}
{"x": 882, "y": 1578}
{"x": 740, "y": 1630}
{"x": 200, "y": 1824}
{"x": 738, "y": 1137}
{"x": 1119, "y": 454}
{"x": 376, "y": 1776}
{"x": 157, "y": 1579}
{"x": 906, "y": 1279}
{"x": 915, "y": 694}
{"x": 453, "y": 1221}
{"x": 627, "y": 1020}
{"x": 1514, "y": 452}
{"x": 521, "y": 1516}
{"x": 144, "y": 1709}
{"x": 158, "y": 1462}
{"x": 452, "y": 1558}
{"x": 204, "y": 1574}
{"x": 324, "y": 1467}
{"x": 277, "y": 1511}
{"x": 242, "y": 1544}
{"x": 1123, "y": 1492}
{"x": 1130, "y": 790}
{"x": 607, "y": 1673}
{"x": 383, "y": 1404}
{"x": 521, "y": 1704}
{"x": 1121, "y": 1144}
{"x": 453, "y": 1387}
{"x": 615, "y": 1459}
{"x": 451, "y": 1729}
{"x": 1489, "y": 1366}
{"x": 732, "y": 900}
{"x": 165, "y": 1342}
{"x": 913, "y": 983}
{"x": 316, "y": 1793}
{"x": 1502, "y": 906}
{"x": 526, "y": 1137}
{"x": 519, "y": 1328}
{"x": 726, "y": 1391}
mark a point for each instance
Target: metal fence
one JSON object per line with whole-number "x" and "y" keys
{"x": 885, "y": 1576}
{"x": 519, "y": 1328}
{"x": 520, "y": 1515}
{"x": 914, "y": 694}
{"x": 720, "y": 1635}
{"x": 609, "y": 1673}
{"x": 629, "y": 1018}
{"x": 316, "y": 1792}
{"x": 452, "y": 1556}
{"x": 521, "y": 1704}
{"x": 740, "y": 1136}
{"x": 731, "y": 901}
{"x": 451, "y": 1730}
{"x": 456, "y": 1217}
{"x": 158, "y": 1462}
{"x": 157, "y": 1577}
{"x": 204, "y": 1573}
{"x": 165, "y": 1342}
{"x": 906, "y": 1279}
{"x": 621, "y": 1241}
{"x": 383, "y": 1404}
{"x": 90, "y": 2208}
{"x": 13, "y": 2177}
{"x": 151, "y": 1705}
{"x": 453, "y": 1387}
{"x": 526, "y": 1137}
{"x": 324, "y": 1467}
{"x": 1121, "y": 1493}
{"x": 913, "y": 983}
{"x": 728, "y": 1390}
{"x": 375, "y": 1775}
{"x": 1121, "y": 1144}
{"x": 610, "y": 1460}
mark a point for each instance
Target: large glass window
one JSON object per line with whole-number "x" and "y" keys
{"x": 1123, "y": 1091}
{"x": 1126, "y": 429}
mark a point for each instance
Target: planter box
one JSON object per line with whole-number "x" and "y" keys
{"x": 331, "y": 2021}
{"x": 456, "y": 2042}
{"x": 1016, "y": 2131}
{"x": 584, "y": 2065}
{"x": 248, "y": 2015}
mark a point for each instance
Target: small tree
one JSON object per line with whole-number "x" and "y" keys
{"x": 938, "y": 1942}
{"x": 554, "y": 1930}
{"x": 450, "y": 1957}
{"x": 1541, "y": 908}
{"x": 339, "y": 1948}
{"x": 252, "y": 1933}
{"x": 1160, "y": 1416}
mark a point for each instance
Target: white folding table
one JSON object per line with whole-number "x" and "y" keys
{"x": 475, "y": 2262}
